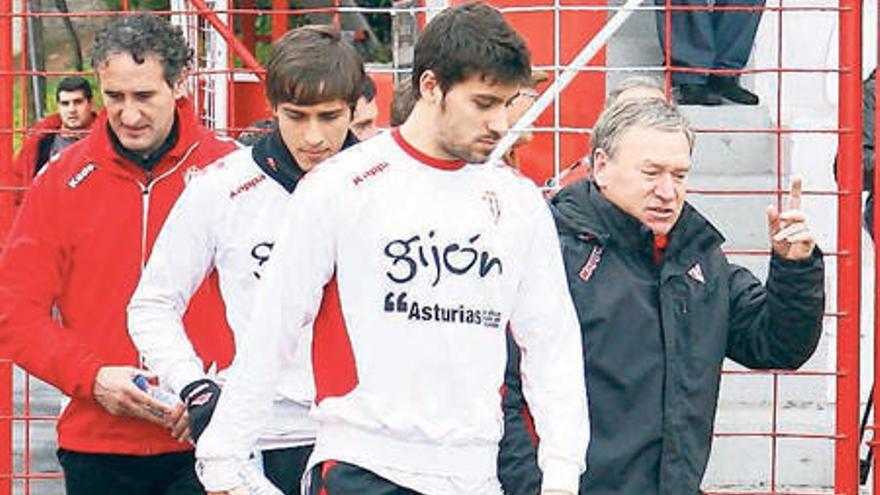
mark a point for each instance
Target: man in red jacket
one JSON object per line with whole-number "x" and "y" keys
{"x": 82, "y": 237}
{"x": 55, "y": 132}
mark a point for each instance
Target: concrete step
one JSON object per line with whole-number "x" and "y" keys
{"x": 732, "y": 153}
{"x": 745, "y": 461}
{"x": 742, "y": 219}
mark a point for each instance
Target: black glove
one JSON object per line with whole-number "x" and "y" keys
{"x": 200, "y": 398}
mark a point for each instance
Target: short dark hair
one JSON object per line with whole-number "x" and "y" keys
{"x": 140, "y": 36}
{"x": 368, "y": 90}
{"x": 402, "y": 103}
{"x": 74, "y": 83}
{"x": 313, "y": 64}
{"x": 471, "y": 39}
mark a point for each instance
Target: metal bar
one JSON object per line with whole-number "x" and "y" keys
{"x": 229, "y": 36}
{"x": 6, "y": 388}
{"x": 873, "y": 397}
{"x": 547, "y": 97}
{"x": 418, "y": 10}
{"x": 557, "y": 121}
{"x": 6, "y": 121}
{"x": 846, "y": 458}
{"x": 279, "y": 18}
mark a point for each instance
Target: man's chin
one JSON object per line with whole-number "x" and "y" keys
{"x": 660, "y": 227}
{"x": 477, "y": 158}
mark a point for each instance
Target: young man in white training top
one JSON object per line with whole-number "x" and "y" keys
{"x": 433, "y": 252}
{"x": 313, "y": 82}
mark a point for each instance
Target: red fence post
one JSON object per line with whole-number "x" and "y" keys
{"x": 846, "y": 468}
{"x": 279, "y": 21}
{"x": 6, "y": 391}
{"x": 876, "y": 186}
{"x": 7, "y": 194}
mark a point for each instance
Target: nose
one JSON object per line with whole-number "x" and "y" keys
{"x": 130, "y": 114}
{"x": 665, "y": 188}
{"x": 312, "y": 134}
{"x": 498, "y": 120}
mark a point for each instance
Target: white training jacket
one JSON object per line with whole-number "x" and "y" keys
{"x": 214, "y": 225}
{"x": 432, "y": 261}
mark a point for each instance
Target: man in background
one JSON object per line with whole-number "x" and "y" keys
{"x": 48, "y": 137}
{"x": 363, "y": 124}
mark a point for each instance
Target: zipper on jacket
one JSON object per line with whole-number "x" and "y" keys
{"x": 146, "y": 189}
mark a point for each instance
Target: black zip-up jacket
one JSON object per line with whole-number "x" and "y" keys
{"x": 655, "y": 336}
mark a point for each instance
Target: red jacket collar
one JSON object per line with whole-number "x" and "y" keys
{"x": 189, "y": 129}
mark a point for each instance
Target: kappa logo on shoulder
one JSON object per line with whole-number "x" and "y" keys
{"x": 371, "y": 172}
{"x": 592, "y": 263}
{"x": 247, "y": 185}
{"x": 81, "y": 176}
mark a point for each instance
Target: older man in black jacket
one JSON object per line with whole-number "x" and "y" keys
{"x": 660, "y": 307}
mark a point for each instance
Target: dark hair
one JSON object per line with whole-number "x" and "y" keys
{"x": 74, "y": 83}
{"x": 402, "y": 103}
{"x": 471, "y": 39}
{"x": 141, "y": 36}
{"x": 313, "y": 64}
{"x": 368, "y": 90}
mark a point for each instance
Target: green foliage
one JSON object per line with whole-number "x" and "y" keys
{"x": 140, "y": 4}
{"x": 380, "y": 22}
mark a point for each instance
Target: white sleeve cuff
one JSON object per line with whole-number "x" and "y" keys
{"x": 219, "y": 475}
{"x": 183, "y": 374}
{"x": 561, "y": 475}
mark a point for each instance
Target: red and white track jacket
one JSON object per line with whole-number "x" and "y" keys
{"x": 80, "y": 241}
{"x": 214, "y": 225}
{"x": 432, "y": 260}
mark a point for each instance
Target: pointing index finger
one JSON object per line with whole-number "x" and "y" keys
{"x": 794, "y": 200}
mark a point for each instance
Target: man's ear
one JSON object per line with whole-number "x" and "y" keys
{"x": 600, "y": 167}
{"x": 178, "y": 89}
{"x": 429, "y": 87}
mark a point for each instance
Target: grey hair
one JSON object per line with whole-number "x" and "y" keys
{"x": 652, "y": 113}
{"x": 632, "y": 82}
{"x": 141, "y": 36}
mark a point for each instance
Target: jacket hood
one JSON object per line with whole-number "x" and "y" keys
{"x": 581, "y": 210}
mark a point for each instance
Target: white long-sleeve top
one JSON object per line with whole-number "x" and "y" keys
{"x": 214, "y": 225}
{"x": 432, "y": 261}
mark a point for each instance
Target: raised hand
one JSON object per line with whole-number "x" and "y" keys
{"x": 790, "y": 236}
